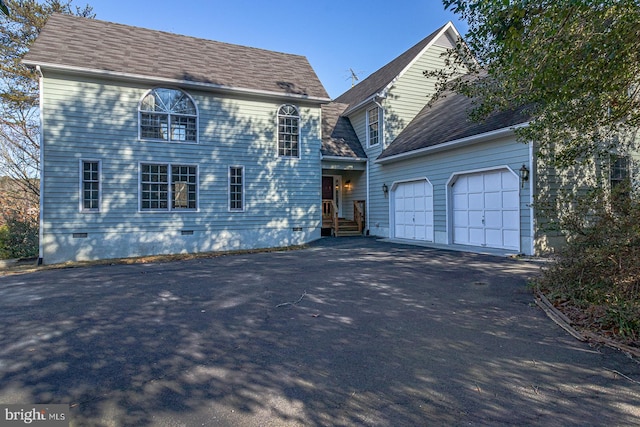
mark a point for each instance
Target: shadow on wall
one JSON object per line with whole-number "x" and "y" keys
{"x": 281, "y": 194}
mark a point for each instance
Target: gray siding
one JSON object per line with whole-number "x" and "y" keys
{"x": 89, "y": 119}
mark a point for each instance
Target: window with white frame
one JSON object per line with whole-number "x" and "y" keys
{"x": 236, "y": 188}
{"x": 288, "y": 131}
{"x": 373, "y": 126}
{"x": 169, "y": 115}
{"x": 90, "y": 185}
{"x": 168, "y": 187}
{"x": 619, "y": 173}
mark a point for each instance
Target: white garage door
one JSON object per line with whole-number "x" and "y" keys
{"x": 413, "y": 210}
{"x": 486, "y": 210}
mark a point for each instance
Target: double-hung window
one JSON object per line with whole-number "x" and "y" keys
{"x": 90, "y": 186}
{"x": 168, "y": 187}
{"x": 373, "y": 126}
{"x": 288, "y": 131}
{"x": 619, "y": 171}
{"x": 169, "y": 115}
{"x": 236, "y": 188}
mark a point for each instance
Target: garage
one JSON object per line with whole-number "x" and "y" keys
{"x": 486, "y": 209}
{"x": 413, "y": 210}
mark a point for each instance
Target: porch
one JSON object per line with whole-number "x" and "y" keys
{"x": 334, "y": 225}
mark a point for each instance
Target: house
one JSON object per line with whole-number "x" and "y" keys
{"x": 156, "y": 143}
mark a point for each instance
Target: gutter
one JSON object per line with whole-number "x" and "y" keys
{"x": 344, "y": 159}
{"x": 474, "y": 139}
{"x": 183, "y": 83}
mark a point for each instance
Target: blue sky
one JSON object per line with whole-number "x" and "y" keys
{"x": 334, "y": 35}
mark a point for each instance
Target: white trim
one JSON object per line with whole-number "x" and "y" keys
{"x": 242, "y": 168}
{"x": 392, "y": 209}
{"x": 182, "y": 83}
{"x": 169, "y": 192}
{"x": 474, "y": 139}
{"x": 368, "y": 127}
{"x": 278, "y": 132}
{"x": 449, "y": 202}
{"x": 168, "y": 140}
{"x": 81, "y": 186}
{"x": 41, "y": 201}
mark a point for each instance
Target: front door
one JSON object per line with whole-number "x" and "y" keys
{"x": 327, "y": 188}
{"x": 331, "y": 190}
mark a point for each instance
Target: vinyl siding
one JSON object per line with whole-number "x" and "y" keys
{"x": 411, "y": 92}
{"x": 439, "y": 168}
{"x": 91, "y": 119}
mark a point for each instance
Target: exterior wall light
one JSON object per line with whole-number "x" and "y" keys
{"x": 524, "y": 175}
{"x": 347, "y": 184}
{"x": 385, "y": 189}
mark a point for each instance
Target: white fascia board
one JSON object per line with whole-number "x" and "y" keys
{"x": 344, "y": 159}
{"x": 474, "y": 139}
{"x": 182, "y": 83}
{"x": 369, "y": 100}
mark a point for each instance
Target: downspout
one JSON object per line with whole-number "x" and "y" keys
{"x": 41, "y": 203}
{"x": 532, "y": 178}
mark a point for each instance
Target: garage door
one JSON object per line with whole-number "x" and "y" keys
{"x": 413, "y": 210}
{"x": 486, "y": 210}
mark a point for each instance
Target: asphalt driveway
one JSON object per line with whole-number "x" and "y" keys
{"x": 346, "y": 332}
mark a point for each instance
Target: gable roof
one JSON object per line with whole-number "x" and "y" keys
{"x": 78, "y": 44}
{"x": 448, "y": 121}
{"x": 339, "y": 139}
{"x": 381, "y": 79}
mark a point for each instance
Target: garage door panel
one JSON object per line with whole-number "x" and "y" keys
{"x": 475, "y": 184}
{"x": 476, "y": 200}
{"x": 460, "y": 201}
{"x": 476, "y": 236}
{"x": 510, "y": 239}
{"x": 511, "y": 199}
{"x": 493, "y": 219}
{"x": 493, "y": 200}
{"x": 494, "y": 238}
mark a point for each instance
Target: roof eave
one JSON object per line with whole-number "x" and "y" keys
{"x": 474, "y": 139}
{"x": 182, "y": 83}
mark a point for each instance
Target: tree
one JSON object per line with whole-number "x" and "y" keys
{"x": 19, "y": 114}
{"x": 574, "y": 63}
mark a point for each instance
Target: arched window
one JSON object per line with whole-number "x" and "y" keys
{"x": 168, "y": 114}
{"x": 288, "y": 131}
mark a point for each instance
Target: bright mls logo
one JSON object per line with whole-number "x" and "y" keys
{"x": 37, "y": 415}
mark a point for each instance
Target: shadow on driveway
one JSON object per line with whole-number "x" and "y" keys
{"x": 346, "y": 332}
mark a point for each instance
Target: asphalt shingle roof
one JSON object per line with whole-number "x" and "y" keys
{"x": 380, "y": 79}
{"x": 88, "y": 44}
{"x": 448, "y": 120}
{"x": 338, "y": 136}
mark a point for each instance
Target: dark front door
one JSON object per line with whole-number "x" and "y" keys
{"x": 327, "y": 188}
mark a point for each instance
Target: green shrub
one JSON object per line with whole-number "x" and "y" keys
{"x": 597, "y": 274}
{"x": 19, "y": 238}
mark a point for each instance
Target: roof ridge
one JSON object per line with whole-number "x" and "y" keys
{"x": 185, "y": 36}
